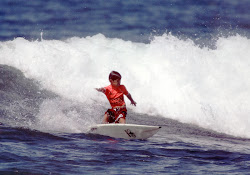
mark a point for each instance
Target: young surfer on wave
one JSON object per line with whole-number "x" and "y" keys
{"x": 114, "y": 93}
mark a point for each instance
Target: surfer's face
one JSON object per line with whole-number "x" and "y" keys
{"x": 115, "y": 82}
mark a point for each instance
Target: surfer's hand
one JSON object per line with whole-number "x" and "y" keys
{"x": 133, "y": 103}
{"x": 131, "y": 99}
{"x": 100, "y": 89}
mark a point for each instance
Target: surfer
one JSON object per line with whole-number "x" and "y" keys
{"x": 114, "y": 93}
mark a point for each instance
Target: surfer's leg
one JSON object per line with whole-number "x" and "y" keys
{"x": 121, "y": 116}
{"x": 105, "y": 119}
{"x": 122, "y": 120}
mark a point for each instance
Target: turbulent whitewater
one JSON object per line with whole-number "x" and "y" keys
{"x": 168, "y": 77}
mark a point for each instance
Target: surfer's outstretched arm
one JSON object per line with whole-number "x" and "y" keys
{"x": 131, "y": 99}
{"x": 101, "y": 90}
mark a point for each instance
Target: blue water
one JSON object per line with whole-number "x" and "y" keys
{"x": 186, "y": 64}
{"x": 129, "y": 20}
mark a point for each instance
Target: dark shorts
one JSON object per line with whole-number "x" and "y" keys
{"x": 114, "y": 115}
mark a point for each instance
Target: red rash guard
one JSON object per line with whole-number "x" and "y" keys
{"x": 115, "y": 95}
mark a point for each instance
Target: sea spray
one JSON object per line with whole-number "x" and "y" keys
{"x": 169, "y": 77}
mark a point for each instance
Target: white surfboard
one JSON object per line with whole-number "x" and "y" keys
{"x": 125, "y": 131}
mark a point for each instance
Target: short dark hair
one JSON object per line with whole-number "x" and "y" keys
{"x": 114, "y": 75}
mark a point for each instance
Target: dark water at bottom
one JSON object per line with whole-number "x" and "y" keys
{"x": 176, "y": 149}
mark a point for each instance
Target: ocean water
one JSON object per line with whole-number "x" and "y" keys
{"x": 186, "y": 64}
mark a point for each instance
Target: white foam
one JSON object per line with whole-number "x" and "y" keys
{"x": 169, "y": 77}
{"x": 60, "y": 115}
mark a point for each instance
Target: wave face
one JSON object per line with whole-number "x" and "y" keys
{"x": 167, "y": 77}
